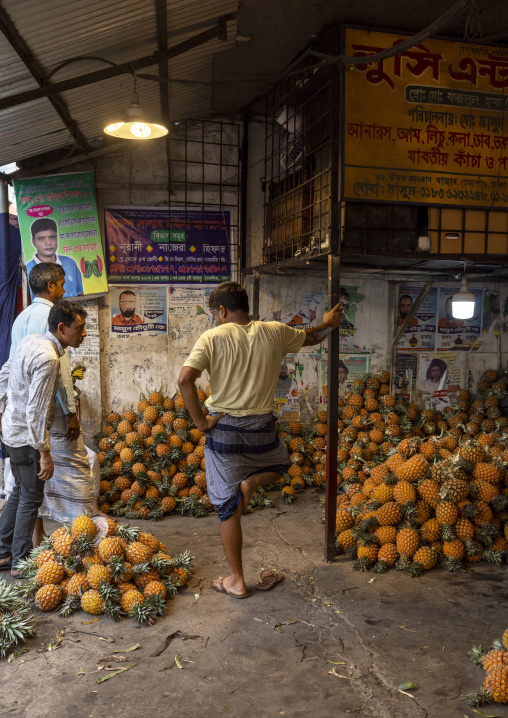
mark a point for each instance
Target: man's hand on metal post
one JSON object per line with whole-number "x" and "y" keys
{"x": 334, "y": 317}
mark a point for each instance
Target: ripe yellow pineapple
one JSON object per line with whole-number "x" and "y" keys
{"x": 50, "y": 572}
{"x": 44, "y": 556}
{"x": 179, "y": 576}
{"x": 388, "y": 554}
{"x": 390, "y": 514}
{"x": 130, "y": 598}
{"x": 92, "y": 602}
{"x": 138, "y": 552}
{"x": 414, "y": 469}
{"x": 48, "y": 597}
{"x": 98, "y": 573}
{"x": 496, "y": 684}
{"x": 145, "y": 578}
{"x": 407, "y": 541}
{"x": 109, "y": 547}
{"x": 77, "y": 583}
{"x": 83, "y": 526}
{"x": 153, "y": 588}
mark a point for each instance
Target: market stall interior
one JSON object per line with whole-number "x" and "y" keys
{"x": 320, "y": 155}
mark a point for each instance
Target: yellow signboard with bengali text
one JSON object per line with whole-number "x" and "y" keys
{"x": 427, "y": 126}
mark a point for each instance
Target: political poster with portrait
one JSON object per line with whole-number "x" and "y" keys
{"x": 420, "y": 335}
{"x": 139, "y": 311}
{"x": 58, "y": 222}
{"x": 406, "y": 375}
{"x": 441, "y": 375}
{"x": 458, "y": 334}
{"x": 350, "y": 298}
{"x": 351, "y": 367}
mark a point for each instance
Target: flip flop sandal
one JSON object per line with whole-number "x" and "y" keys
{"x": 222, "y": 589}
{"x": 16, "y": 574}
{"x": 6, "y": 566}
{"x": 268, "y": 579}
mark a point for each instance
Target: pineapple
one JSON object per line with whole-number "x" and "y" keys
{"x": 83, "y": 526}
{"x": 407, "y": 541}
{"x": 367, "y": 556}
{"x": 109, "y": 547}
{"x": 423, "y": 560}
{"x": 62, "y": 543}
{"x": 414, "y": 469}
{"x": 48, "y": 597}
{"x": 496, "y": 684}
{"x": 138, "y": 552}
{"x": 92, "y": 602}
{"x": 155, "y": 587}
{"x": 98, "y": 573}
{"x": 144, "y": 579}
{"x": 129, "y": 599}
{"x": 386, "y": 558}
{"x": 50, "y": 572}
{"x": 47, "y": 555}
{"x": 77, "y": 584}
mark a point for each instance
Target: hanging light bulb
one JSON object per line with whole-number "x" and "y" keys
{"x": 463, "y": 301}
{"x": 134, "y": 125}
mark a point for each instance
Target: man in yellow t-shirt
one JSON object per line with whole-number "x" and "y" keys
{"x": 242, "y": 450}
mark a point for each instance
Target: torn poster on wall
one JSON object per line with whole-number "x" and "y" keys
{"x": 190, "y": 314}
{"x": 491, "y": 322}
{"x": 420, "y": 335}
{"x": 138, "y": 310}
{"x": 351, "y": 367}
{"x": 406, "y": 375}
{"x": 157, "y": 245}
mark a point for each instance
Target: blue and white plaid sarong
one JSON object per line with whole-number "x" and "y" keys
{"x": 236, "y": 448}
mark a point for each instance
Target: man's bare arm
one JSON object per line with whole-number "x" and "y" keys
{"x": 187, "y": 386}
{"x": 331, "y": 320}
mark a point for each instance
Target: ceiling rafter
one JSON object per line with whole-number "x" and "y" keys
{"x": 214, "y": 32}
{"x": 23, "y": 51}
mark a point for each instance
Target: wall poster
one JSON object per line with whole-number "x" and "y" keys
{"x": 406, "y": 375}
{"x": 442, "y": 137}
{"x": 351, "y": 367}
{"x": 138, "y": 310}
{"x": 421, "y": 333}
{"x": 59, "y": 223}
{"x": 458, "y": 334}
{"x": 145, "y": 244}
{"x": 441, "y": 375}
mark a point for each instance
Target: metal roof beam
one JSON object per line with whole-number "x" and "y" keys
{"x": 23, "y": 51}
{"x": 126, "y": 67}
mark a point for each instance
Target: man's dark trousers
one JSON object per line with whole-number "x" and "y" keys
{"x": 20, "y": 512}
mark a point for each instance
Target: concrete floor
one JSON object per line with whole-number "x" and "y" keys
{"x": 271, "y": 655}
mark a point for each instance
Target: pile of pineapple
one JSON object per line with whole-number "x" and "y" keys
{"x": 152, "y": 462}
{"x": 107, "y": 570}
{"x": 16, "y": 620}
{"x": 495, "y": 665}
{"x": 420, "y": 489}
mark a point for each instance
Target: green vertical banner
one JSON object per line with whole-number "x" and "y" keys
{"x": 59, "y": 223}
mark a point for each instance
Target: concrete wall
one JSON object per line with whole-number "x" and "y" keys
{"x": 127, "y": 368}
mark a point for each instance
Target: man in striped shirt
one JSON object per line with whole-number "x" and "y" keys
{"x": 28, "y": 381}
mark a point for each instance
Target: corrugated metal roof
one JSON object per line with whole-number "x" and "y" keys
{"x": 119, "y": 31}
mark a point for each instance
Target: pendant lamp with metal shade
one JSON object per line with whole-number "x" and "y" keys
{"x": 134, "y": 125}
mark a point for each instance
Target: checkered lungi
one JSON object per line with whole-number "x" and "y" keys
{"x": 236, "y": 448}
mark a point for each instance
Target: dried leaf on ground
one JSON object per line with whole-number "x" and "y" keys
{"x": 127, "y": 650}
{"x": 177, "y": 661}
{"x": 291, "y": 621}
{"x": 115, "y": 673}
{"x": 88, "y": 623}
{"x": 407, "y": 686}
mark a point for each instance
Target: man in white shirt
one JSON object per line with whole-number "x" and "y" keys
{"x": 28, "y": 382}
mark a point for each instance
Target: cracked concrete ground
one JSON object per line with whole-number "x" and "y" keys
{"x": 272, "y": 654}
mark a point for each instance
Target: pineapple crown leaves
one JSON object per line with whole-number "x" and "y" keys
{"x": 183, "y": 560}
{"x": 8, "y": 597}
{"x": 380, "y": 567}
{"x": 127, "y": 468}
{"x": 106, "y": 472}
{"x": 112, "y": 610}
{"x": 486, "y": 534}
{"x": 191, "y": 506}
{"x": 117, "y": 567}
{"x": 83, "y": 546}
{"x": 361, "y": 564}
{"x": 161, "y": 564}
{"x": 131, "y": 514}
{"x": 165, "y": 461}
{"x": 72, "y": 564}
{"x": 139, "y": 569}
{"x": 156, "y": 514}
{"x": 128, "y": 533}
{"x": 477, "y": 698}
{"x": 477, "y": 654}
{"x": 170, "y": 584}
{"x": 493, "y": 556}
{"x": 15, "y": 626}
{"x": 144, "y": 613}
{"x": 70, "y": 605}
{"x": 454, "y": 565}
{"x": 27, "y": 589}
{"x": 116, "y": 507}
{"x": 143, "y": 479}
{"x": 27, "y": 567}
{"x": 150, "y": 503}
{"x": 108, "y": 592}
